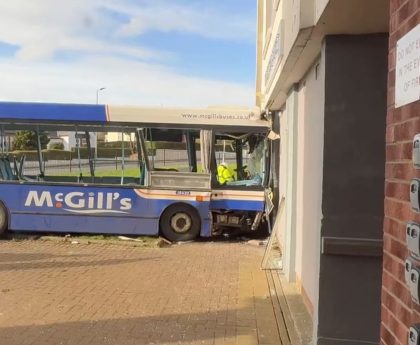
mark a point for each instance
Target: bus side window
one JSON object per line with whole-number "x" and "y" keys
{"x": 180, "y": 155}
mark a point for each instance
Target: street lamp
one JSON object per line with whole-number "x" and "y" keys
{"x": 97, "y": 93}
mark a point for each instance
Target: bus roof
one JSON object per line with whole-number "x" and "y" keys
{"x": 84, "y": 114}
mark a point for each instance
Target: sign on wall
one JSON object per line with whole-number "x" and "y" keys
{"x": 407, "y": 72}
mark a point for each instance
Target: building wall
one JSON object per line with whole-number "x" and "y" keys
{"x": 352, "y": 195}
{"x": 320, "y": 7}
{"x": 117, "y": 136}
{"x": 290, "y": 15}
{"x": 398, "y": 311}
{"x": 281, "y": 224}
{"x": 69, "y": 139}
{"x": 300, "y": 174}
{"x": 332, "y": 176}
{"x": 291, "y": 108}
{"x": 332, "y": 179}
{"x": 290, "y": 35}
{"x": 283, "y": 22}
{"x": 309, "y": 183}
{"x": 270, "y": 56}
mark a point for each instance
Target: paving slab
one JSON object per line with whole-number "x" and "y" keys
{"x": 55, "y": 292}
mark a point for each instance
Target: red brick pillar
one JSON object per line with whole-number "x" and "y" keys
{"x": 398, "y": 311}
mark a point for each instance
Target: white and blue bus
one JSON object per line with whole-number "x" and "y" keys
{"x": 180, "y": 200}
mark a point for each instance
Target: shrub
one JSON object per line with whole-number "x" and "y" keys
{"x": 56, "y": 146}
{"x": 27, "y": 140}
{"x": 32, "y": 155}
{"x": 115, "y": 145}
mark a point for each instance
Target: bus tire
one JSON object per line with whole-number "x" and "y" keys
{"x": 180, "y": 222}
{"x": 4, "y": 216}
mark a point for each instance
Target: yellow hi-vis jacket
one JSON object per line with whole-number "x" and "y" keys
{"x": 224, "y": 174}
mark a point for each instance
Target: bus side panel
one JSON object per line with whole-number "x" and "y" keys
{"x": 84, "y": 224}
{"x": 78, "y": 208}
{"x": 206, "y": 227}
{"x": 92, "y": 209}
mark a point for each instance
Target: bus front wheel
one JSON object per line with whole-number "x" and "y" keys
{"x": 3, "y": 218}
{"x": 180, "y": 222}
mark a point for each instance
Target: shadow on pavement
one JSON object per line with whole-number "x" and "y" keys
{"x": 7, "y": 266}
{"x": 203, "y": 328}
{"x": 19, "y": 257}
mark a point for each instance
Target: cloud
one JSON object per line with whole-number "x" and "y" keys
{"x": 97, "y": 35}
{"x": 41, "y": 29}
{"x": 211, "y": 22}
{"x": 126, "y": 82}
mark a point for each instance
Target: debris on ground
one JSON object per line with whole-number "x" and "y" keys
{"x": 165, "y": 241}
{"x": 125, "y": 238}
{"x": 184, "y": 242}
{"x": 140, "y": 241}
{"x": 256, "y": 243}
{"x": 159, "y": 242}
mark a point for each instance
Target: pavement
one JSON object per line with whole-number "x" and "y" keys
{"x": 54, "y": 292}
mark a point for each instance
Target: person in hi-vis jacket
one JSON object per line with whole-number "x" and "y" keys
{"x": 224, "y": 175}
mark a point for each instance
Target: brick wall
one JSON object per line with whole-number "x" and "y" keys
{"x": 398, "y": 311}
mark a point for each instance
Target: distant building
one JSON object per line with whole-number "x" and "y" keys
{"x": 117, "y": 136}
{"x": 54, "y": 140}
{"x": 69, "y": 140}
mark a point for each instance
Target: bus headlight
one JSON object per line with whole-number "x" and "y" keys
{"x": 222, "y": 218}
{"x": 234, "y": 220}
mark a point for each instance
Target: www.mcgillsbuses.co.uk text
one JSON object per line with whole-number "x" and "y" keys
{"x": 217, "y": 116}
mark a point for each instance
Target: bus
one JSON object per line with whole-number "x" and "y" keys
{"x": 218, "y": 184}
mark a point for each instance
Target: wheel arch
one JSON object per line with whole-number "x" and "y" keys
{"x": 8, "y": 214}
{"x": 180, "y": 203}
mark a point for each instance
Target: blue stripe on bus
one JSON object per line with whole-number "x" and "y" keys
{"x": 52, "y": 111}
{"x": 237, "y": 205}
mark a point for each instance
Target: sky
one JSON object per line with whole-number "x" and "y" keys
{"x": 143, "y": 52}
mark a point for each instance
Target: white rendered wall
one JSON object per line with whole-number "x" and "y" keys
{"x": 281, "y": 222}
{"x": 289, "y": 242}
{"x": 299, "y": 179}
{"x": 319, "y": 8}
{"x": 309, "y": 184}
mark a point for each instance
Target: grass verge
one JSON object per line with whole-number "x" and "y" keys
{"x": 76, "y": 239}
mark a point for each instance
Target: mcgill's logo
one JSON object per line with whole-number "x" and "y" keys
{"x": 78, "y": 202}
